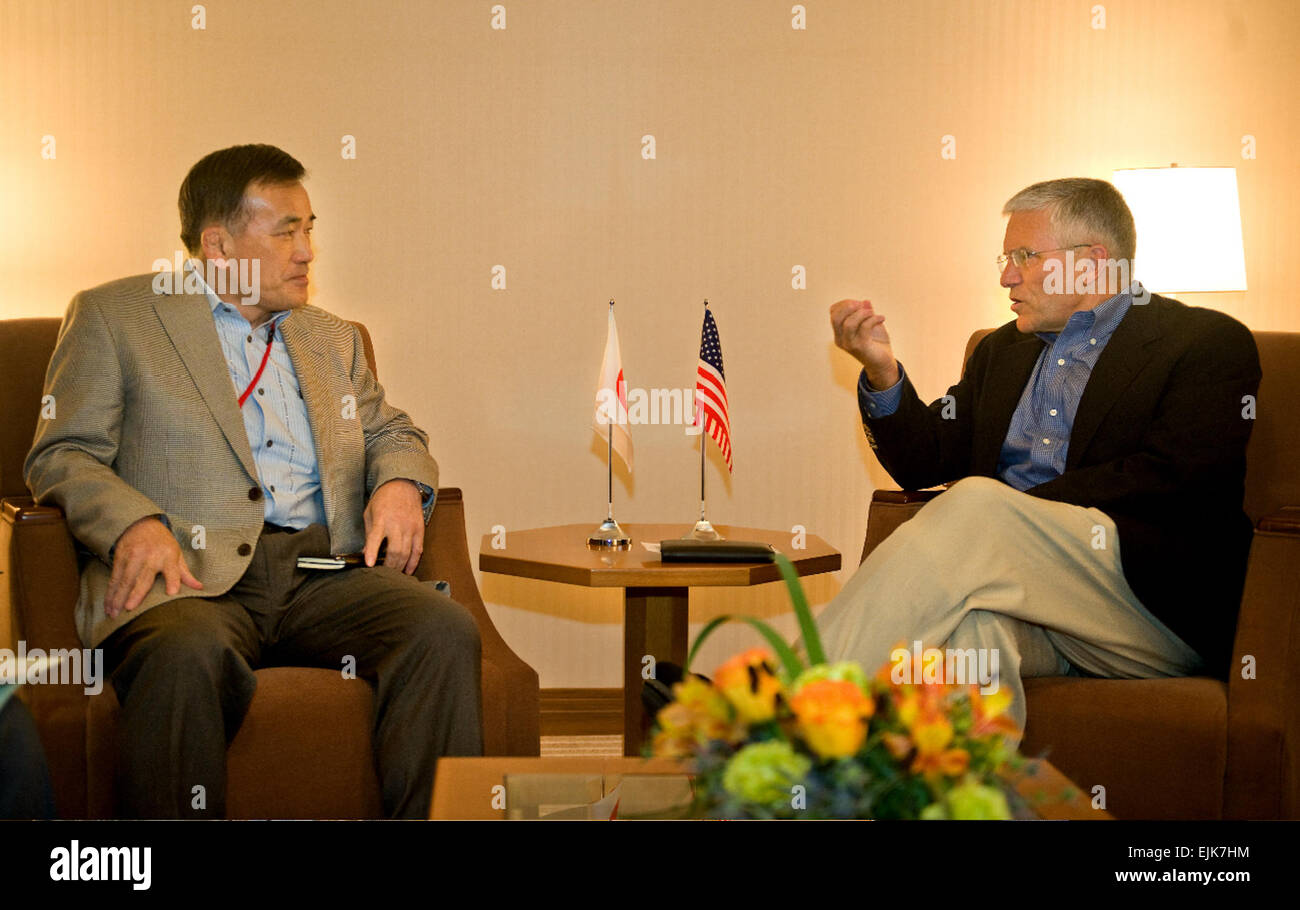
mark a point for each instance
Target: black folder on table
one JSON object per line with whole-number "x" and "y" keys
{"x": 715, "y": 551}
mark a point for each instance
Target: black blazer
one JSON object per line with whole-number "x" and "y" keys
{"x": 1158, "y": 444}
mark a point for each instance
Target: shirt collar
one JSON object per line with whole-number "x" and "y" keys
{"x": 1100, "y": 321}
{"x": 196, "y": 266}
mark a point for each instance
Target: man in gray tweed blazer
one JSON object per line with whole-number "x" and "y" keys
{"x": 204, "y": 436}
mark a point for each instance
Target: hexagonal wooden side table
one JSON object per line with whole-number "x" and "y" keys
{"x": 655, "y": 600}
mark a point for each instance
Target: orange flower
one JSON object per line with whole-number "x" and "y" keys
{"x": 916, "y": 702}
{"x": 831, "y": 715}
{"x": 748, "y": 683}
{"x": 899, "y": 746}
{"x": 889, "y": 672}
{"x": 932, "y": 734}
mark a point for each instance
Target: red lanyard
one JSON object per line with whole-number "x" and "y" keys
{"x": 262, "y": 366}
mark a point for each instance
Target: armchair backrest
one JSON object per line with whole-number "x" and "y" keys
{"x": 25, "y": 349}
{"x": 1272, "y": 480}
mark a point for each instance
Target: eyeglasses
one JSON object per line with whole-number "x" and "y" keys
{"x": 1019, "y": 257}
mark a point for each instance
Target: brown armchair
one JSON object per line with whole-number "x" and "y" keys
{"x": 304, "y": 750}
{"x": 1192, "y": 747}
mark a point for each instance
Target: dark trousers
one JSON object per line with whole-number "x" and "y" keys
{"x": 183, "y": 672}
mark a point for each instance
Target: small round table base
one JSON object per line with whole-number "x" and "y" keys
{"x": 703, "y": 530}
{"x": 609, "y": 536}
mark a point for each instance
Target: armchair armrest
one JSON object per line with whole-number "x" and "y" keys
{"x": 38, "y": 593}
{"x": 511, "y": 691}
{"x": 889, "y": 509}
{"x": 1263, "y": 776}
{"x": 1285, "y": 520}
{"x": 902, "y": 497}
{"x": 446, "y": 558}
{"x": 41, "y": 577}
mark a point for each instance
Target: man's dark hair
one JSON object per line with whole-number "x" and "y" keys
{"x": 214, "y": 188}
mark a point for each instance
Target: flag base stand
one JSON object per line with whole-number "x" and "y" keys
{"x": 702, "y": 531}
{"x": 609, "y": 536}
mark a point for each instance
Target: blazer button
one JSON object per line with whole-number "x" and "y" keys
{"x": 255, "y": 494}
{"x": 244, "y": 549}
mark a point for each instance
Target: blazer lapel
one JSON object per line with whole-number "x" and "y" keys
{"x": 187, "y": 319}
{"x": 1009, "y": 370}
{"x": 1121, "y": 361}
{"x": 309, "y": 364}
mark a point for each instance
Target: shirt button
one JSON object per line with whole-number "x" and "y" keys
{"x": 255, "y": 493}
{"x": 1046, "y": 441}
{"x": 268, "y": 443}
{"x": 1092, "y": 341}
{"x": 1052, "y": 412}
{"x": 243, "y": 549}
{"x": 250, "y": 339}
{"x": 1060, "y": 362}
{"x": 272, "y": 488}
{"x": 261, "y": 391}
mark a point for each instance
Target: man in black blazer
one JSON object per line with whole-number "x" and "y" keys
{"x": 1110, "y": 399}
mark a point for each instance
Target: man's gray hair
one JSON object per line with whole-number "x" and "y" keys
{"x": 1082, "y": 210}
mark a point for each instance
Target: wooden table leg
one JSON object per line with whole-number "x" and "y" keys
{"x": 654, "y": 624}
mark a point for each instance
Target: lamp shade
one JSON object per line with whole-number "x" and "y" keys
{"x": 1188, "y": 228}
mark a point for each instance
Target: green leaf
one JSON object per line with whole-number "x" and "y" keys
{"x": 812, "y": 640}
{"x": 789, "y": 659}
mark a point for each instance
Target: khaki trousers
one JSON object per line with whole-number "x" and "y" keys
{"x": 183, "y": 672}
{"x": 985, "y": 566}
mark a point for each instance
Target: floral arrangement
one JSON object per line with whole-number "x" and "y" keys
{"x": 773, "y": 737}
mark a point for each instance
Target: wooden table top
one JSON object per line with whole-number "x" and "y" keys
{"x": 561, "y": 554}
{"x": 463, "y": 785}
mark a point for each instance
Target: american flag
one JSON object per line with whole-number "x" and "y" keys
{"x": 711, "y": 388}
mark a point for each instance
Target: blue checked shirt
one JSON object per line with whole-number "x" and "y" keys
{"x": 1039, "y": 436}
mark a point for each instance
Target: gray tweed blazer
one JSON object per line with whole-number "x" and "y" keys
{"x": 144, "y": 420}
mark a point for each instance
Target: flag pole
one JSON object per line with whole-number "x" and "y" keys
{"x": 703, "y": 530}
{"x": 609, "y": 536}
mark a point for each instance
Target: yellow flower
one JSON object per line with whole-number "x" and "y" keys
{"x": 831, "y": 716}
{"x": 993, "y": 704}
{"x": 749, "y": 685}
{"x": 908, "y": 703}
{"x": 989, "y": 713}
{"x": 932, "y": 735}
{"x": 700, "y": 697}
{"x": 696, "y": 715}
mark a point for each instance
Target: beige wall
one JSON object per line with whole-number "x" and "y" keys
{"x": 522, "y": 147}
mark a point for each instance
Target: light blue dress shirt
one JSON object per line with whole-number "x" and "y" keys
{"x": 275, "y": 416}
{"x": 1035, "y": 447}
